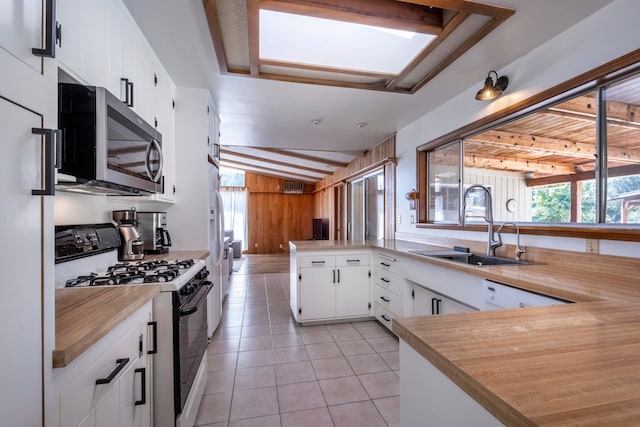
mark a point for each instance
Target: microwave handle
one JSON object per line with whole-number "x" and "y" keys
{"x": 147, "y": 161}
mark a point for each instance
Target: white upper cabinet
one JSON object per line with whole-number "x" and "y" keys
{"x": 21, "y": 30}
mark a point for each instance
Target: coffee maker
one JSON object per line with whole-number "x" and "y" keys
{"x": 153, "y": 226}
{"x": 131, "y": 248}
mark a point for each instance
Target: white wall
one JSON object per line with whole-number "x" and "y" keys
{"x": 606, "y": 35}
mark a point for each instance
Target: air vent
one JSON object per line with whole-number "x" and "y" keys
{"x": 293, "y": 187}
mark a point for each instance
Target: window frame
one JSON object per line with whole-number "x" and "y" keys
{"x": 593, "y": 80}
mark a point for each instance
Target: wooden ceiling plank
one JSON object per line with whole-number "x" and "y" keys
{"x": 274, "y": 172}
{"x": 213, "y": 21}
{"x": 551, "y": 146}
{"x": 301, "y": 66}
{"x": 275, "y": 162}
{"x": 253, "y": 27}
{"x": 467, "y": 6}
{"x": 617, "y": 111}
{"x": 381, "y": 13}
{"x": 583, "y": 176}
{"x": 515, "y": 164}
{"x": 304, "y": 157}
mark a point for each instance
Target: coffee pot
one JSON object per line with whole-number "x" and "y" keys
{"x": 132, "y": 245}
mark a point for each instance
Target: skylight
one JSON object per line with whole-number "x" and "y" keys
{"x": 300, "y": 39}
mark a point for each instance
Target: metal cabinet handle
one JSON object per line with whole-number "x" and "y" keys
{"x": 433, "y": 306}
{"x": 353, "y": 261}
{"x": 438, "y": 301}
{"x": 51, "y": 159}
{"x": 385, "y": 280}
{"x": 124, "y": 90}
{"x": 384, "y": 264}
{"x": 317, "y": 262}
{"x": 53, "y": 32}
{"x": 523, "y": 305}
{"x": 334, "y": 276}
{"x": 384, "y": 316}
{"x": 338, "y": 276}
{"x": 385, "y": 299}
{"x": 120, "y": 364}
{"x": 143, "y": 384}
{"x": 154, "y": 336}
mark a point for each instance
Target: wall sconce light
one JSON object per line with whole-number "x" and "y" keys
{"x": 491, "y": 90}
{"x": 412, "y": 196}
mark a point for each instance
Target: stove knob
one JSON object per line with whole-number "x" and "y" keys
{"x": 202, "y": 274}
{"x": 187, "y": 289}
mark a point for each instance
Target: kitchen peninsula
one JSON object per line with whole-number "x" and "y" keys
{"x": 572, "y": 364}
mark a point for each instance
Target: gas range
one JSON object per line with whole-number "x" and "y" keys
{"x": 167, "y": 275}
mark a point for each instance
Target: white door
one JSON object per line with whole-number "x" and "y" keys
{"x": 425, "y": 302}
{"x": 352, "y": 291}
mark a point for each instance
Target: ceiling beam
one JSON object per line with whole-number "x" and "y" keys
{"x": 381, "y": 13}
{"x": 515, "y": 164}
{"x": 551, "y": 146}
{"x": 274, "y": 162}
{"x": 617, "y": 111}
{"x": 213, "y": 21}
{"x": 274, "y": 172}
{"x": 583, "y": 176}
{"x": 304, "y": 157}
{"x": 466, "y": 6}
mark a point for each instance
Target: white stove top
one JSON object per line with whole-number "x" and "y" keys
{"x": 105, "y": 270}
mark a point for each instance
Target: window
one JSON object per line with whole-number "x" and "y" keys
{"x": 366, "y": 207}
{"x": 231, "y": 178}
{"x": 576, "y": 160}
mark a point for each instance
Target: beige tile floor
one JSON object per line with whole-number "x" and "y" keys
{"x": 266, "y": 371}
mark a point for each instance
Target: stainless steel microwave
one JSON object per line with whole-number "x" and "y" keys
{"x": 105, "y": 146}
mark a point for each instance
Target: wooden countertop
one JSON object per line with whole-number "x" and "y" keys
{"x": 84, "y": 315}
{"x": 569, "y": 365}
{"x": 574, "y": 364}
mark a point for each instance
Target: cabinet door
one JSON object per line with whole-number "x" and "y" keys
{"x": 164, "y": 101}
{"x": 129, "y": 386}
{"x": 21, "y": 224}
{"x": 71, "y": 15}
{"x": 317, "y": 293}
{"x": 449, "y": 306}
{"x": 424, "y": 302}
{"x": 21, "y": 30}
{"x": 352, "y": 291}
{"x": 108, "y": 408}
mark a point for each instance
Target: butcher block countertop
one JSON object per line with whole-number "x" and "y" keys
{"x": 574, "y": 364}
{"x": 566, "y": 365}
{"x": 84, "y": 315}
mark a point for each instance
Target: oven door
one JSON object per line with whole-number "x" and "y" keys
{"x": 190, "y": 342}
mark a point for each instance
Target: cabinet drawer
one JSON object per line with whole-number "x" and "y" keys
{"x": 383, "y": 315}
{"x": 387, "y": 299}
{"x": 83, "y": 393}
{"x": 390, "y": 281}
{"x": 317, "y": 261}
{"x": 352, "y": 260}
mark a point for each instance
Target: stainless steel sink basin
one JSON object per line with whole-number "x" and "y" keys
{"x": 472, "y": 259}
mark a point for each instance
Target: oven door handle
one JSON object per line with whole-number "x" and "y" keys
{"x": 207, "y": 286}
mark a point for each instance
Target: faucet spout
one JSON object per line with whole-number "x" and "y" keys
{"x": 519, "y": 251}
{"x": 492, "y": 242}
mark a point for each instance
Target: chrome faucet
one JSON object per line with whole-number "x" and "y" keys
{"x": 519, "y": 250}
{"x": 492, "y": 243}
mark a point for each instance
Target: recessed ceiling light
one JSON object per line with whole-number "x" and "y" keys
{"x": 316, "y": 122}
{"x": 361, "y": 125}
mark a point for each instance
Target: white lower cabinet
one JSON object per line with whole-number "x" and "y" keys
{"x": 426, "y": 302}
{"x": 332, "y": 285}
{"x": 109, "y": 384}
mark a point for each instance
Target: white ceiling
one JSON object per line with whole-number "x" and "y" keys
{"x": 265, "y": 113}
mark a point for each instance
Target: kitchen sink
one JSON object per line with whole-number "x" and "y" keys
{"x": 472, "y": 259}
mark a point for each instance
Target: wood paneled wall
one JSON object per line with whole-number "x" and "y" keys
{"x": 382, "y": 155}
{"x": 273, "y": 217}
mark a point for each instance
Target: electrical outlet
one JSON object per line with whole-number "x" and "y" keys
{"x": 399, "y": 219}
{"x": 592, "y": 246}
{"x": 280, "y": 245}
{"x": 256, "y": 245}
{"x": 413, "y": 219}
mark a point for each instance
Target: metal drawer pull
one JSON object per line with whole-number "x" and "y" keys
{"x": 384, "y": 316}
{"x": 120, "y": 364}
{"x": 385, "y": 299}
{"x": 523, "y": 305}
{"x": 385, "y": 264}
{"x": 353, "y": 260}
{"x": 143, "y": 384}
{"x": 385, "y": 280}
{"x": 317, "y": 262}
{"x": 155, "y": 337}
